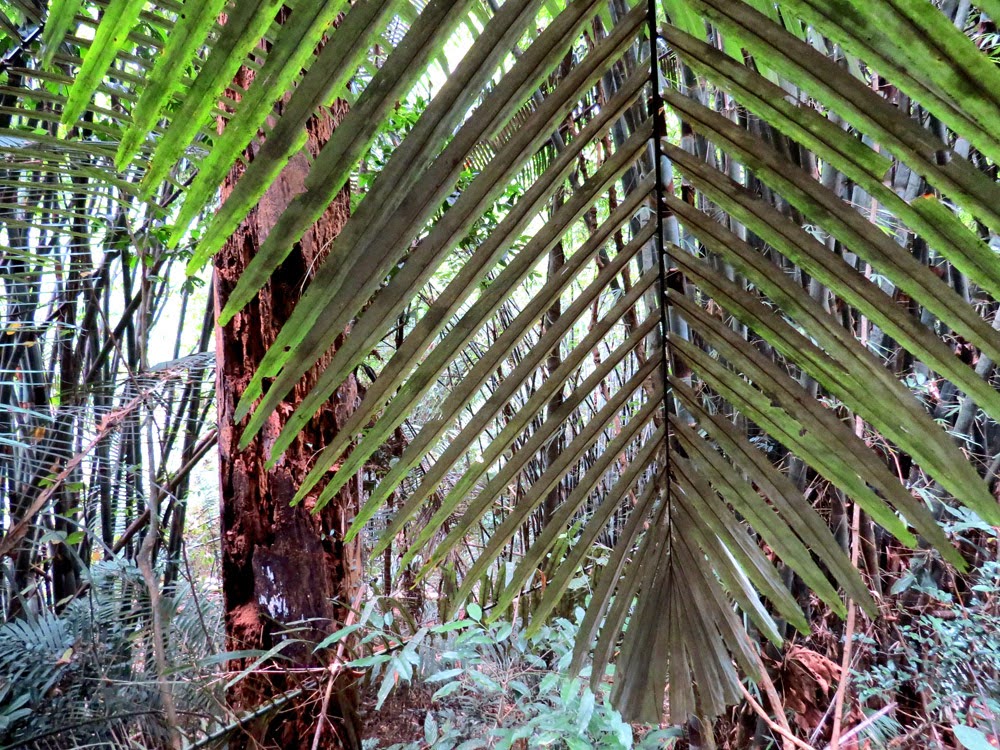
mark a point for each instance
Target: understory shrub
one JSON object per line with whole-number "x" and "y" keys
{"x": 492, "y": 685}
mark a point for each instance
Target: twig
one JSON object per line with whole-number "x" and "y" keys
{"x": 866, "y": 723}
{"x": 241, "y": 721}
{"x": 826, "y": 714}
{"x": 334, "y": 668}
{"x": 203, "y": 447}
{"x": 852, "y": 610}
{"x": 904, "y": 739}
{"x": 991, "y": 472}
{"x": 845, "y": 665}
{"x": 773, "y": 698}
{"x": 774, "y": 726}
{"x": 144, "y": 560}
{"x": 194, "y": 594}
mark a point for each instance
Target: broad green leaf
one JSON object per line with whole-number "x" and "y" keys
{"x": 971, "y": 738}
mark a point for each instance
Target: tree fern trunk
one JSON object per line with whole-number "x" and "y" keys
{"x": 282, "y": 564}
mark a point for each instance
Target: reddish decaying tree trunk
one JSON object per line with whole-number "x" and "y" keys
{"x": 281, "y": 564}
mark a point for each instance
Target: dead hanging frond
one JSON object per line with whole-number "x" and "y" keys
{"x": 145, "y": 391}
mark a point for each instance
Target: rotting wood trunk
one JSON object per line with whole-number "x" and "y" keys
{"x": 282, "y": 564}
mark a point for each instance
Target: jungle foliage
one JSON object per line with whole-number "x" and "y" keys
{"x": 695, "y": 302}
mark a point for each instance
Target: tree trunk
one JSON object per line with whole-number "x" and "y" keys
{"x": 282, "y": 564}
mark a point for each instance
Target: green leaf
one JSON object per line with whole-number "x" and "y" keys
{"x": 658, "y": 739}
{"x": 485, "y": 682}
{"x": 388, "y": 683}
{"x": 430, "y": 729}
{"x": 246, "y": 23}
{"x": 445, "y": 690}
{"x": 59, "y": 22}
{"x": 333, "y": 165}
{"x": 447, "y": 674}
{"x": 585, "y": 711}
{"x": 451, "y": 626}
{"x": 296, "y": 41}
{"x": 117, "y": 21}
{"x": 369, "y": 661}
{"x": 194, "y": 21}
{"x": 336, "y": 637}
{"x": 971, "y": 738}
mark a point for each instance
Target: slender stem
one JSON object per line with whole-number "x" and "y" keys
{"x": 852, "y": 611}
{"x": 775, "y": 700}
{"x": 845, "y": 665}
{"x": 160, "y": 623}
{"x": 659, "y": 132}
{"x": 759, "y": 710}
{"x": 335, "y": 668}
{"x": 861, "y": 725}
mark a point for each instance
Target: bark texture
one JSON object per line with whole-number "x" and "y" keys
{"x": 282, "y": 564}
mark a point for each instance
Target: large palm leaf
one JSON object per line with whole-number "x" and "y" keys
{"x": 695, "y": 321}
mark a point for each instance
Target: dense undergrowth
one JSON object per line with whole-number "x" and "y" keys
{"x": 83, "y": 677}
{"x": 494, "y": 686}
